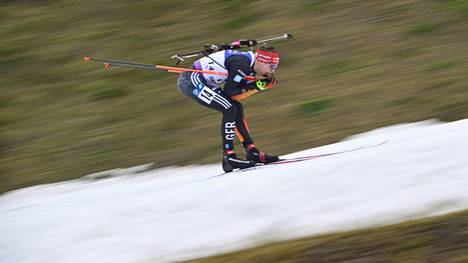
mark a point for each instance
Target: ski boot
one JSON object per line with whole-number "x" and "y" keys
{"x": 253, "y": 154}
{"x": 231, "y": 162}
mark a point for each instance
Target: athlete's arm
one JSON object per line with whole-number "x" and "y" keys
{"x": 238, "y": 67}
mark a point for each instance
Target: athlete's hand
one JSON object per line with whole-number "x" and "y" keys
{"x": 266, "y": 83}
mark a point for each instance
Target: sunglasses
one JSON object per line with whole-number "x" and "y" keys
{"x": 273, "y": 66}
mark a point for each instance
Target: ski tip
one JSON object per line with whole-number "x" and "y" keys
{"x": 86, "y": 59}
{"x": 107, "y": 65}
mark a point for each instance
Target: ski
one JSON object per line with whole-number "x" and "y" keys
{"x": 303, "y": 158}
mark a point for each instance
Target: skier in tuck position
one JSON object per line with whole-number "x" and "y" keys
{"x": 205, "y": 89}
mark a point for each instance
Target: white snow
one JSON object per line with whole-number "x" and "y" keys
{"x": 180, "y": 213}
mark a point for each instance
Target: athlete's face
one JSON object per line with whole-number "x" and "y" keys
{"x": 265, "y": 69}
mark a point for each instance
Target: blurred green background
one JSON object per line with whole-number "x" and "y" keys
{"x": 353, "y": 66}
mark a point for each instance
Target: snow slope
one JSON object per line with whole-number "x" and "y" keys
{"x": 179, "y": 213}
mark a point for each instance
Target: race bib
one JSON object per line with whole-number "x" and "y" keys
{"x": 206, "y": 95}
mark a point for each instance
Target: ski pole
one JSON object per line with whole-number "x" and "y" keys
{"x": 129, "y": 64}
{"x": 119, "y": 63}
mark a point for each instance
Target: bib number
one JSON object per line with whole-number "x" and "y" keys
{"x": 206, "y": 95}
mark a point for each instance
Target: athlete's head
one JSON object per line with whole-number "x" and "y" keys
{"x": 266, "y": 60}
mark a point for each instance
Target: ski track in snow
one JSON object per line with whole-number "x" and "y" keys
{"x": 178, "y": 213}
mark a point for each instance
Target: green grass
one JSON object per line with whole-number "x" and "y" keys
{"x": 237, "y": 22}
{"x": 61, "y": 118}
{"x": 443, "y": 65}
{"x": 316, "y": 6}
{"x": 107, "y": 93}
{"x": 333, "y": 67}
{"x": 423, "y": 28}
{"x": 443, "y": 239}
{"x": 315, "y": 106}
{"x": 459, "y": 7}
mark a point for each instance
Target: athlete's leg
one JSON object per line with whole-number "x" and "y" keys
{"x": 214, "y": 99}
{"x": 242, "y": 128}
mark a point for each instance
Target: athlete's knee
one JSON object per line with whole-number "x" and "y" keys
{"x": 184, "y": 84}
{"x": 231, "y": 111}
{"x": 237, "y": 104}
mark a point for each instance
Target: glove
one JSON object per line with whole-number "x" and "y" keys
{"x": 268, "y": 83}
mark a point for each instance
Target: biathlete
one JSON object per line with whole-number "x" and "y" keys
{"x": 205, "y": 89}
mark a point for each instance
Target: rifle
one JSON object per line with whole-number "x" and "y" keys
{"x": 242, "y": 43}
{"x": 207, "y": 49}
